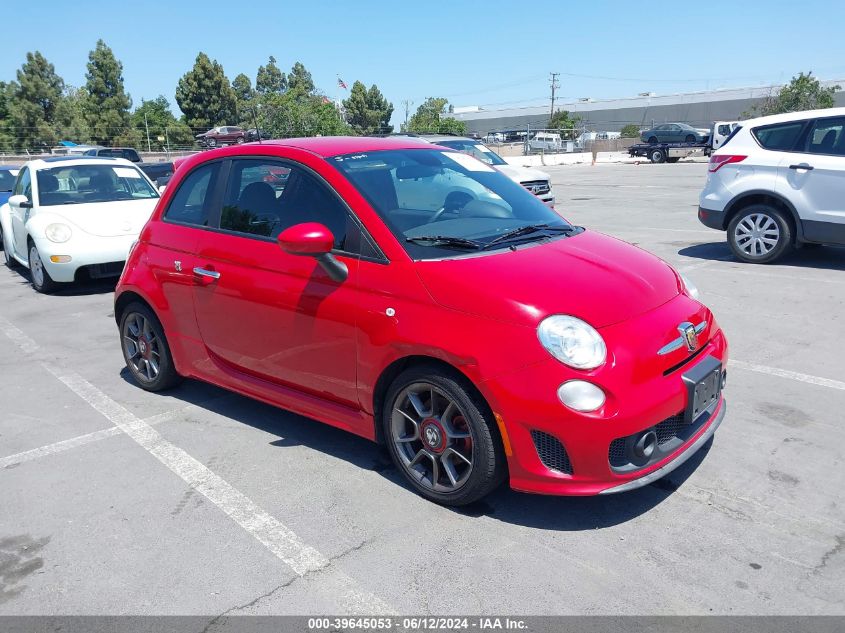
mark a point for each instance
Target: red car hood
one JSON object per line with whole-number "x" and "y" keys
{"x": 594, "y": 277}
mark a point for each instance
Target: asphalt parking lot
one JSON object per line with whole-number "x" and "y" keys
{"x": 117, "y": 501}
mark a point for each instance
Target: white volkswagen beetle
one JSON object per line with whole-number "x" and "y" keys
{"x": 70, "y": 217}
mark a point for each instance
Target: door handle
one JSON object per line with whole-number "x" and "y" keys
{"x": 802, "y": 166}
{"x": 204, "y": 272}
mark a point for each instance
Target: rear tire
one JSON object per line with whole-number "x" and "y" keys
{"x": 760, "y": 234}
{"x": 441, "y": 436}
{"x": 674, "y": 159}
{"x": 656, "y": 156}
{"x": 211, "y": 143}
{"x": 145, "y": 349}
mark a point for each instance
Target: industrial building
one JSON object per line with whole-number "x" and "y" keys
{"x": 699, "y": 109}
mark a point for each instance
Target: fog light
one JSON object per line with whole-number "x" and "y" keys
{"x": 580, "y": 395}
{"x": 60, "y": 259}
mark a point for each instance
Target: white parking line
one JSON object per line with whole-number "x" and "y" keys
{"x": 82, "y": 440}
{"x": 791, "y": 375}
{"x": 264, "y": 527}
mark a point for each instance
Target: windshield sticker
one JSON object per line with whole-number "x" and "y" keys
{"x": 484, "y": 148}
{"x": 126, "y": 172}
{"x": 14, "y": 172}
{"x": 468, "y": 162}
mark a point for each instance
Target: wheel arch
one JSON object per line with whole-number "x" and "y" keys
{"x": 390, "y": 373}
{"x": 127, "y": 297}
{"x": 762, "y": 196}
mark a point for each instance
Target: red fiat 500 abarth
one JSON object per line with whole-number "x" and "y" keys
{"x": 416, "y": 296}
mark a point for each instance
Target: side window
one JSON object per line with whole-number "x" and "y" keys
{"x": 131, "y": 155}
{"x": 24, "y": 184}
{"x": 781, "y": 136}
{"x": 827, "y": 136}
{"x": 265, "y": 198}
{"x": 191, "y": 203}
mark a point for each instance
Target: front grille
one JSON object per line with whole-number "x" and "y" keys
{"x": 671, "y": 434}
{"x": 537, "y": 187}
{"x": 551, "y": 452}
{"x": 670, "y": 429}
{"x": 110, "y": 269}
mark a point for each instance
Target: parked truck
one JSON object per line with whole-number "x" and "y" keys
{"x": 672, "y": 152}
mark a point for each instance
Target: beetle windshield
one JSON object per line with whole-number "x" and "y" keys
{"x": 438, "y": 202}
{"x": 76, "y": 184}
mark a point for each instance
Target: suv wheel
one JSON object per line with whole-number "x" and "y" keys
{"x": 759, "y": 234}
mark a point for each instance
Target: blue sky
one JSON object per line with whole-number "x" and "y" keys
{"x": 490, "y": 52}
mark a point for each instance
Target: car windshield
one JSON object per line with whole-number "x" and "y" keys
{"x": 439, "y": 202}
{"x": 474, "y": 148}
{"x": 76, "y": 184}
{"x": 7, "y": 179}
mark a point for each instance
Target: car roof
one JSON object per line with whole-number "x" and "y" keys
{"x": 327, "y": 146}
{"x": 793, "y": 116}
{"x": 52, "y": 161}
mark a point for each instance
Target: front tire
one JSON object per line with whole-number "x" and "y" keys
{"x": 652, "y": 140}
{"x": 759, "y": 234}
{"x": 145, "y": 349}
{"x": 41, "y": 280}
{"x": 689, "y": 139}
{"x": 441, "y": 437}
{"x": 657, "y": 156}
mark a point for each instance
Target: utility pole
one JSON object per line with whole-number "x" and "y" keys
{"x": 407, "y": 103}
{"x": 555, "y": 85}
{"x": 149, "y": 147}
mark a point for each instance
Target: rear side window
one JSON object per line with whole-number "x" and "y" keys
{"x": 731, "y": 135}
{"x": 781, "y": 136}
{"x": 827, "y": 136}
{"x": 191, "y": 204}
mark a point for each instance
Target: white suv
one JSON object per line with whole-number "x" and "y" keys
{"x": 778, "y": 182}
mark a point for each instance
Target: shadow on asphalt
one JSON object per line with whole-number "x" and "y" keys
{"x": 541, "y": 512}
{"x": 78, "y": 289}
{"x": 822, "y": 257}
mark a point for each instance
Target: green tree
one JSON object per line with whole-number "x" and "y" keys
{"x": 243, "y": 95}
{"x": 156, "y": 114}
{"x": 270, "y": 79}
{"x": 106, "y": 104}
{"x": 561, "y": 120}
{"x": 804, "y": 92}
{"x": 205, "y": 96}
{"x": 6, "y": 137}
{"x": 70, "y": 115}
{"x": 630, "y": 131}
{"x": 32, "y": 103}
{"x": 367, "y": 111}
{"x": 429, "y": 118}
{"x": 296, "y": 114}
{"x": 300, "y": 79}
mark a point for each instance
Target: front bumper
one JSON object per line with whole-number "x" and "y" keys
{"x": 554, "y": 450}
{"x": 90, "y": 251}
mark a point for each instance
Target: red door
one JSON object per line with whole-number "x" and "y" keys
{"x": 264, "y": 312}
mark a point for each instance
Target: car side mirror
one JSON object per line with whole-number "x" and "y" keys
{"x": 313, "y": 239}
{"x": 21, "y": 201}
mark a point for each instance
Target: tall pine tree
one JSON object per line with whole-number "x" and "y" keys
{"x": 205, "y": 96}
{"x": 32, "y": 103}
{"x": 106, "y": 104}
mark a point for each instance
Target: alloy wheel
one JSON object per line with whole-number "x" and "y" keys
{"x": 432, "y": 437}
{"x": 36, "y": 266}
{"x": 142, "y": 347}
{"x": 757, "y": 234}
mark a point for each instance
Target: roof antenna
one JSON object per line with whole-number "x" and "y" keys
{"x": 255, "y": 120}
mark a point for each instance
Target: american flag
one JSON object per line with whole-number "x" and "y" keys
{"x": 341, "y": 83}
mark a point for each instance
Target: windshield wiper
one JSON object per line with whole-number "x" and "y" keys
{"x": 444, "y": 240}
{"x": 526, "y": 230}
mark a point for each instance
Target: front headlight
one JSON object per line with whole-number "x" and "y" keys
{"x": 572, "y": 341}
{"x": 57, "y": 233}
{"x": 690, "y": 287}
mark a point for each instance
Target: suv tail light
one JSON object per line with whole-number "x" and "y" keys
{"x": 720, "y": 160}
